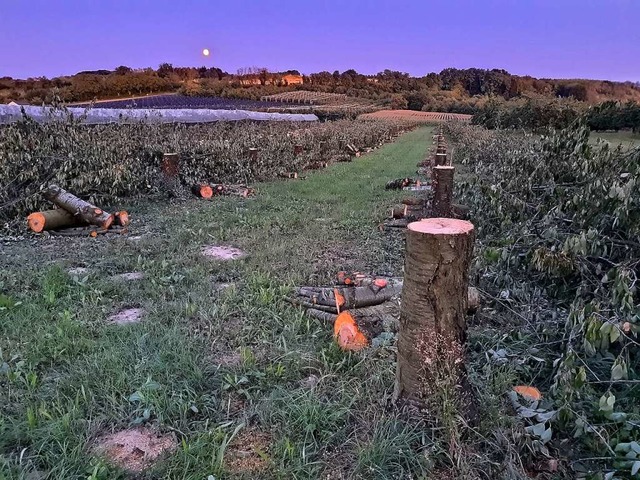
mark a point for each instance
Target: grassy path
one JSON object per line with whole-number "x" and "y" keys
{"x": 249, "y": 387}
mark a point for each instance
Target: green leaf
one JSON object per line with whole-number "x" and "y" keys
{"x": 618, "y": 372}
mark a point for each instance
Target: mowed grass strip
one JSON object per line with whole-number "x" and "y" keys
{"x": 210, "y": 365}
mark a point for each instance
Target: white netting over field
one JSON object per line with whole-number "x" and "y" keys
{"x": 11, "y": 113}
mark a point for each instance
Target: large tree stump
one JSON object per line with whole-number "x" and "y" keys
{"x": 434, "y": 304}
{"x": 84, "y": 210}
{"x": 443, "y": 190}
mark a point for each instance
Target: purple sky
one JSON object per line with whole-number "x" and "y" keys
{"x": 544, "y": 38}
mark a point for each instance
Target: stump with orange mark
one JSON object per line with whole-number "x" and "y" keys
{"x": 443, "y": 190}
{"x": 432, "y": 316}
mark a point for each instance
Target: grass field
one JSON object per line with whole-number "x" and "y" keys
{"x": 247, "y": 385}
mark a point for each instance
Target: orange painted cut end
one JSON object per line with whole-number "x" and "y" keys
{"x": 122, "y": 218}
{"x": 206, "y": 191}
{"x": 93, "y": 234}
{"x": 380, "y": 282}
{"x": 347, "y": 334}
{"x": 530, "y": 393}
{"x": 36, "y": 222}
{"x": 108, "y": 222}
{"x": 441, "y": 226}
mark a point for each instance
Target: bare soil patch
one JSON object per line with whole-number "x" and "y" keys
{"x": 134, "y": 449}
{"x": 244, "y": 452}
{"x": 222, "y": 252}
{"x": 127, "y": 316}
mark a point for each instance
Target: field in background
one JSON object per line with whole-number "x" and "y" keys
{"x": 426, "y": 117}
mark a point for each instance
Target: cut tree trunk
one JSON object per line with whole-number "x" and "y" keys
{"x": 52, "y": 219}
{"x": 399, "y": 212}
{"x": 432, "y": 315}
{"x": 443, "y": 191}
{"x": 87, "y": 212}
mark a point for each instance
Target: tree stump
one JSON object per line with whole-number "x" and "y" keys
{"x": 170, "y": 169}
{"x": 443, "y": 191}
{"x": 432, "y": 315}
{"x": 441, "y": 159}
{"x": 253, "y": 154}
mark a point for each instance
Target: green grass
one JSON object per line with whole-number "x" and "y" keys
{"x": 66, "y": 376}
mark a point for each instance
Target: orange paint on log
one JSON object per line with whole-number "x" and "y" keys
{"x": 36, "y": 222}
{"x": 347, "y": 334}
{"x": 380, "y": 282}
{"x": 339, "y": 299}
{"x": 206, "y": 191}
{"x": 93, "y": 234}
{"x": 530, "y": 393}
{"x": 122, "y": 218}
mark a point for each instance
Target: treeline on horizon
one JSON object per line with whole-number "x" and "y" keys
{"x": 473, "y": 90}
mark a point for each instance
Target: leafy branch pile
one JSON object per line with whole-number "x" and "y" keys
{"x": 558, "y": 225}
{"x": 103, "y": 162}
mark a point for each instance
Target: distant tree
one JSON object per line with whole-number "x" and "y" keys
{"x": 165, "y": 69}
{"x": 123, "y": 70}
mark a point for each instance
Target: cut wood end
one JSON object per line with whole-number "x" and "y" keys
{"x": 441, "y": 226}
{"x": 122, "y": 218}
{"x": 206, "y": 191}
{"x": 444, "y": 167}
{"x": 36, "y": 222}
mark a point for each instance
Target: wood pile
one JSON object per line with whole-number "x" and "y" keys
{"x": 75, "y": 216}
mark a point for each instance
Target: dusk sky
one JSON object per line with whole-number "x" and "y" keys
{"x": 543, "y": 38}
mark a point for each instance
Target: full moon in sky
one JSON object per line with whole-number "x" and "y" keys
{"x": 205, "y": 52}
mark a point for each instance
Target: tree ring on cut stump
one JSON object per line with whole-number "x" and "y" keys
{"x": 441, "y": 226}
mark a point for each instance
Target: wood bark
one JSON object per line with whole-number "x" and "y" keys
{"x": 443, "y": 191}
{"x": 52, "y": 219}
{"x": 84, "y": 210}
{"x": 432, "y": 331}
{"x": 441, "y": 159}
{"x": 170, "y": 169}
{"x": 351, "y": 297}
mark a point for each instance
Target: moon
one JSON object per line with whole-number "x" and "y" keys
{"x": 205, "y": 52}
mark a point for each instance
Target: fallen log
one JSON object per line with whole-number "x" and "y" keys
{"x": 89, "y": 231}
{"x": 52, "y": 219}
{"x": 401, "y": 183}
{"x": 413, "y": 201}
{"x": 398, "y": 212}
{"x": 349, "y": 297}
{"x": 84, "y": 210}
{"x": 202, "y": 191}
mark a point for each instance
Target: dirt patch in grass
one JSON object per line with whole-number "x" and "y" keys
{"x": 134, "y": 449}
{"x": 127, "y": 316}
{"x": 222, "y": 252}
{"x": 247, "y": 453}
{"x": 130, "y": 276}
